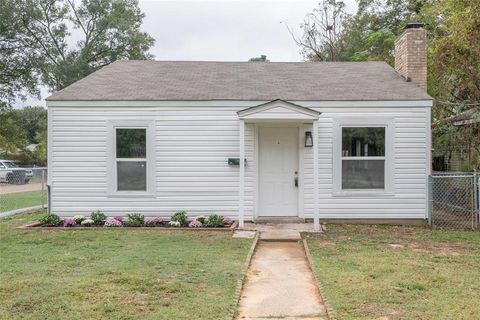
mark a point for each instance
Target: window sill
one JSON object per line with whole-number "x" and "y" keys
{"x": 363, "y": 193}
{"x": 132, "y": 194}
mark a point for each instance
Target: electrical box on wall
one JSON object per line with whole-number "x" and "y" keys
{"x": 235, "y": 161}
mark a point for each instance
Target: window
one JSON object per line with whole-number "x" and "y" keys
{"x": 131, "y": 159}
{"x": 363, "y": 157}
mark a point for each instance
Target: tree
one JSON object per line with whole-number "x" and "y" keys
{"x": 16, "y": 62}
{"x": 41, "y": 32}
{"x": 322, "y": 31}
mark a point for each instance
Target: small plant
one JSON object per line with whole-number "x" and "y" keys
{"x": 228, "y": 221}
{"x": 118, "y": 218}
{"x": 79, "y": 218}
{"x": 135, "y": 220}
{"x": 109, "y": 223}
{"x": 87, "y": 223}
{"x": 201, "y": 219}
{"x": 51, "y": 220}
{"x": 153, "y": 222}
{"x": 174, "y": 224}
{"x": 181, "y": 217}
{"x": 214, "y": 221}
{"x": 195, "y": 224}
{"x": 98, "y": 217}
{"x": 69, "y": 222}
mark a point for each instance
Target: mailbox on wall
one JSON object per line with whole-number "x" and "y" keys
{"x": 235, "y": 161}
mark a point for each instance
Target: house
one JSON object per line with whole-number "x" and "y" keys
{"x": 346, "y": 140}
{"x": 448, "y": 154}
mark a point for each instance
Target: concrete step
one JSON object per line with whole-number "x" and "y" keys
{"x": 279, "y": 220}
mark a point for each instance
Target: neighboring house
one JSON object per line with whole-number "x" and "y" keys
{"x": 346, "y": 140}
{"x": 464, "y": 157}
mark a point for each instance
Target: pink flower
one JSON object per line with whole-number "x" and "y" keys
{"x": 112, "y": 223}
{"x": 228, "y": 220}
{"x": 69, "y": 222}
{"x": 152, "y": 222}
{"x": 118, "y": 218}
{"x": 195, "y": 224}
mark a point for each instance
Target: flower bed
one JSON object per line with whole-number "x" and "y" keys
{"x": 98, "y": 220}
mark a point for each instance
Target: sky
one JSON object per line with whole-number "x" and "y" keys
{"x": 222, "y": 30}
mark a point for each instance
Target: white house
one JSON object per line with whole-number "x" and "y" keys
{"x": 346, "y": 140}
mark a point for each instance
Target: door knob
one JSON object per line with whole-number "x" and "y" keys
{"x": 295, "y": 179}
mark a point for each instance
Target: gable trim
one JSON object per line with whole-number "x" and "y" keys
{"x": 278, "y": 103}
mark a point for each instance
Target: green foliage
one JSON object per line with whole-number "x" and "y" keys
{"x": 98, "y": 217}
{"x": 135, "y": 220}
{"x": 36, "y": 41}
{"x": 51, "y": 220}
{"x": 214, "y": 221}
{"x": 201, "y": 219}
{"x": 180, "y": 216}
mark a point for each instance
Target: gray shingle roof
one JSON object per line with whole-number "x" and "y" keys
{"x": 192, "y": 80}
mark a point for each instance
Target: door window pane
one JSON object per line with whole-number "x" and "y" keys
{"x": 131, "y": 143}
{"x": 363, "y": 174}
{"x": 131, "y": 176}
{"x": 363, "y": 142}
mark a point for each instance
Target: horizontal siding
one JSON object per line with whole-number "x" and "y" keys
{"x": 192, "y": 145}
{"x": 410, "y": 142}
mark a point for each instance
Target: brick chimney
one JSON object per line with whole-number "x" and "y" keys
{"x": 411, "y": 54}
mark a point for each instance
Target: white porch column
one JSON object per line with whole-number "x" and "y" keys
{"x": 241, "y": 198}
{"x": 316, "y": 219}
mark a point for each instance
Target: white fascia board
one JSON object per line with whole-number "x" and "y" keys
{"x": 240, "y": 103}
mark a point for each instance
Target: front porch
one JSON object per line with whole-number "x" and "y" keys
{"x": 280, "y": 140}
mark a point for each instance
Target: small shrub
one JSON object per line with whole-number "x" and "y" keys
{"x": 110, "y": 223}
{"x": 98, "y": 217}
{"x": 181, "y": 217}
{"x": 174, "y": 224}
{"x": 69, "y": 222}
{"x": 118, "y": 218}
{"x": 135, "y": 220}
{"x": 87, "y": 223}
{"x": 214, "y": 221}
{"x": 51, "y": 220}
{"x": 201, "y": 219}
{"x": 153, "y": 222}
{"x": 228, "y": 221}
{"x": 195, "y": 224}
{"x": 79, "y": 218}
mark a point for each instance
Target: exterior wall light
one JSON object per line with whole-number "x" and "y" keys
{"x": 308, "y": 139}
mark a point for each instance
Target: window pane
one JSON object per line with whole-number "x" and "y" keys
{"x": 131, "y": 176}
{"x": 131, "y": 143}
{"x": 363, "y": 142}
{"x": 363, "y": 174}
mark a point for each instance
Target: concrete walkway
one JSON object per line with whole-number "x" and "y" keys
{"x": 280, "y": 231}
{"x": 280, "y": 285}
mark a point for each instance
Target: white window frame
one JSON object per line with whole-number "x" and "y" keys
{"x": 113, "y": 160}
{"x": 389, "y": 158}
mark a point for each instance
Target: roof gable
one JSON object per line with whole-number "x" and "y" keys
{"x": 278, "y": 110}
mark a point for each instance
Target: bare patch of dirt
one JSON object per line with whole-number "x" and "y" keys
{"x": 439, "y": 248}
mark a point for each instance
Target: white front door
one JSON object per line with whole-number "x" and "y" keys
{"x": 278, "y": 167}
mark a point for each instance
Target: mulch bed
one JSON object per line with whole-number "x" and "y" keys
{"x": 40, "y": 225}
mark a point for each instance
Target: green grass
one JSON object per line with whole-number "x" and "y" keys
{"x": 425, "y": 274}
{"x": 116, "y": 274}
{"x": 18, "y": 200}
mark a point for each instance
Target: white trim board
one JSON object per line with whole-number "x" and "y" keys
{"x": 240, "y": 103}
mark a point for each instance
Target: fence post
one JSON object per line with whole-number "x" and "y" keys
{"x": 476, "y": 200}
{"x": 43, "y": 189}
{"x": 430, "y": 199}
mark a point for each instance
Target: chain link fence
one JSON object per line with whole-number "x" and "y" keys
{"x": 454, "y": 200}
{"x": 22, "y": 188}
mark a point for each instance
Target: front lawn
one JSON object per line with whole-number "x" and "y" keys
{"x": 116, "y": 274}
{"x": 385, "y": 272}
{"x": 18, "y": 200}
